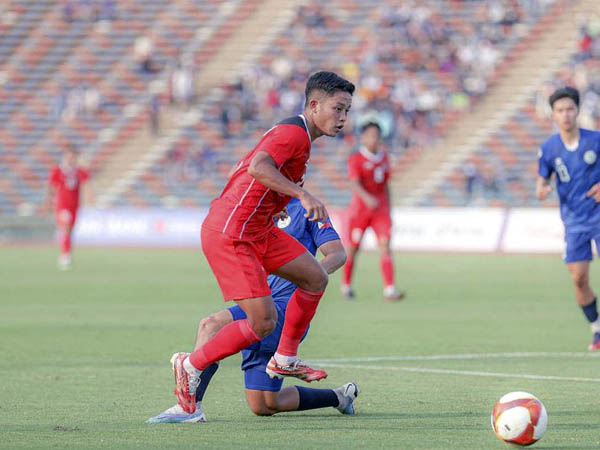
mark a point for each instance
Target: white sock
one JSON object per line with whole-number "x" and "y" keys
{"x": 285, "y": 360}
{"x": 595, "y": 326}
{"x": 187, "y": 365}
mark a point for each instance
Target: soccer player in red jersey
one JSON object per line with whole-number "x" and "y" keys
{"x": 64, "y": 185}
{"x": 242, "y": 244}
{"x": 369, "y": 172}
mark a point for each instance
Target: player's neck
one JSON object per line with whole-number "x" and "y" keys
{"x": 313, "y": 130}
{"x": 570, "y": 137}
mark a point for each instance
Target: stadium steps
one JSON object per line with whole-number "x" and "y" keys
{"x": 548, "y": 46}
{"x": 242, "y": 41}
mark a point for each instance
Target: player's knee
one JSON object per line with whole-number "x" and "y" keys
{"x": 319, "y": 282}
{"x": 261, "y": 409}
{"x": 264, "y": 326}
{"x": 581, "y": 280}
{"x": 272, "y": 404}
{"x": 208, "y": 325}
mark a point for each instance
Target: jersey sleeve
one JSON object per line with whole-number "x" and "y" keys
{"x": 322, "y": 232}
{"x": 284, "y": 142}
{"x": 544, "y": 168}
{"x": 53, "y": 178}
{"x": 353, "y": 167}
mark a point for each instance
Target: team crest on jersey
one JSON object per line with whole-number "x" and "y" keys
{"x": 590, "y": 156}
{"x": 284, "y": 223}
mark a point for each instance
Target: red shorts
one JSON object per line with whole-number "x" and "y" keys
{"x": 66, "y": 216}
{"x": 241, "y": 267}
{"x": 358, "y": 221}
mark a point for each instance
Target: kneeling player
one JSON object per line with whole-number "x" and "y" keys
{"x": 264, "y": 394}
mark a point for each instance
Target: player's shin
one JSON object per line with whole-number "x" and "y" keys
{"x": 387, "y": 270}
{"x": 207, "y": 375}
{"x": 230, "y": 339}
{"x": 348, "y": 269}
{"x": 300, "y": 311}
{"x": 316, "y": 398}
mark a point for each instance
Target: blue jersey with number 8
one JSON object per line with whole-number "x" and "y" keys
{"x": 576, "y": 170}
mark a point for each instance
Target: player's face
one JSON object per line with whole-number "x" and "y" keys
{"x": 564, "y": 114}
{"x": 370, "y": 138}
{"x": 329, "y": 113}
{"x": 71, "y": 159}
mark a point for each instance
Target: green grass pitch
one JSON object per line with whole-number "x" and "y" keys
{"x": 85, "y": 354}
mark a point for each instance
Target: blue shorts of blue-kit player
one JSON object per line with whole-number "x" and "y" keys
{"x": 579, "y": 246}
{"x": 256, "y": 357}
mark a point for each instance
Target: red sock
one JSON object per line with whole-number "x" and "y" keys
{"x": 230, "y": 339}
{"x": 65, "y": 243}
{"x": 387, "y": 270}
{"x": 300, "y": 311}
{"x": 348, "y": 268}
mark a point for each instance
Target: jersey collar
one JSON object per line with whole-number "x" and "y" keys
{"x": 370, "y": 156}
{"x": 306, "y": 126}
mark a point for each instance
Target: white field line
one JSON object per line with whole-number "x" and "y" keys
{"x": 463, "y": 356}
{"x": 472, "y": 373}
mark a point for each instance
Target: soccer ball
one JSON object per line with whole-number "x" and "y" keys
{"x": 519, "y": 418}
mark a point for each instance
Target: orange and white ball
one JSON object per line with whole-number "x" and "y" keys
{"x": 519, "y": 418}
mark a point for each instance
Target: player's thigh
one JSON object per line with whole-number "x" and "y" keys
{"x": 305, "y": 272}
{"x": 580, "y": 273}
{"x": 289, "y": 259}
{"x": 578, "y": 249}
{"x": 382, "y": 226}
{"x": 65, "y": 218}
{"x": 357, "y": 225}
{"x": 237, "y": 265}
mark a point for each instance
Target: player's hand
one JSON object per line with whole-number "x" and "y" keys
{"x": 594, "y": 192}
{"x": 281, "y": 215}
{"x": 544, "y": 191}
{"x": 315, "y": 210}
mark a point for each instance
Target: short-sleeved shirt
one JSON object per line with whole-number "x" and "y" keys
{"x": 245, "y": 208}
{"x": 372, "y": 171}
{"x": 577, "y": 170}
{"x": 67, "y": 182}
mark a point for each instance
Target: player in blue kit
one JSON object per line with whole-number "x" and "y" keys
{"x": 572, "y": 155}
{"x": 264, "y": 394}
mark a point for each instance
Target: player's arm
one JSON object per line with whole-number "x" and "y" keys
{"x": 264, "y": 170}
{"x": 334, "y": 255}
{"x": 543, "y": 188}
{"x": 370, "y": 200}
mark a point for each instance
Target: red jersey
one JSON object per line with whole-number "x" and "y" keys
{"x": 372, "y": 171}
{"x": 67, "y": 182}
{"x": 245, "y": 208}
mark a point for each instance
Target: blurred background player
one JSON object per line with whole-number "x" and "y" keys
{"x": 64, "y": 185}
{"x": 572, "y": 154}
{"x": 264, "y": 394}
{"x": 369, "y": 173}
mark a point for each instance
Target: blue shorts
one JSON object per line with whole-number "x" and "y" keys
{"x": 579, "y": 246}
{"x": 256, "y": 357}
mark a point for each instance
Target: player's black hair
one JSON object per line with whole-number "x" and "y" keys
{"x": 327, "y": 82}
{"x": 368, "y": 125}
{"x": 564, "y": 92}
